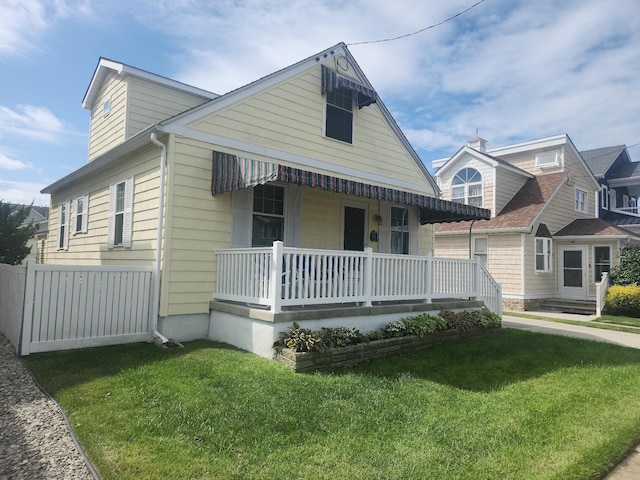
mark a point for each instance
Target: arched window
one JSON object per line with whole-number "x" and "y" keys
{"x": 467, "y": 187}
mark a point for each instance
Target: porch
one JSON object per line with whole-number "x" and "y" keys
{"x": 261, "y": 291}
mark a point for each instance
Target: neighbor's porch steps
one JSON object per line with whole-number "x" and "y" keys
{"x": 581, "y": 307}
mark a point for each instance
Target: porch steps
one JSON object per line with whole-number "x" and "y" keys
{"x": 580, "y": 307}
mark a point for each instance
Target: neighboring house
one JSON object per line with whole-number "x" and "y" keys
{"x": 619, "y": 179}
{"x": 177, "y": 176}
{"x": 40, "y": 217}
{"x": 544, "y": 239}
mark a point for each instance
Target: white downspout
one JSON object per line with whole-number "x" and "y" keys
{"x": 156, "y": 278}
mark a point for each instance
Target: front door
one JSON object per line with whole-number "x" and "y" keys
{"x": 573, "y": 272}
{"x": 354, "y": 228}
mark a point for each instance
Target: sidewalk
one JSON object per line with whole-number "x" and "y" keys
{"x": 630, "y": 468}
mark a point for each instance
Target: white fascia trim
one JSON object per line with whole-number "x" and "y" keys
{"x": 589, "y": 238}
{"x": 555, "y": 141}
{"x": 298, "y": 160}
{"x": 624, "y": 182}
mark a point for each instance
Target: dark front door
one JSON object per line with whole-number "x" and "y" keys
{"x": 353, "y": 228}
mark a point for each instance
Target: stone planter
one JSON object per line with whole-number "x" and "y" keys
{"x": 362, "y": 352}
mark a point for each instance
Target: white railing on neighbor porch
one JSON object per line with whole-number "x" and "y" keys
{"x": 280, "y": 276}
{"x": 601, "y": 291}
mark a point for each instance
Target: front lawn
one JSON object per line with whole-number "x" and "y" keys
{"x": 618, "y": 320}
{"x": 516, "y": 405}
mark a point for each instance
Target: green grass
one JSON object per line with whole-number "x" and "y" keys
{"x": 630, "y": 321}
{"x": 516, "y": 405}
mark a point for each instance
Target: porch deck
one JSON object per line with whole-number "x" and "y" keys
{"x": 261, "y": 291}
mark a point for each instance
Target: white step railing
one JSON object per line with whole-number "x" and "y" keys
{"x": 281, "y": 276}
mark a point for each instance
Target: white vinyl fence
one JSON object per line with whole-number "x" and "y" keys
{"x": 69, "y": 307}
{"x": 12, "y": 280}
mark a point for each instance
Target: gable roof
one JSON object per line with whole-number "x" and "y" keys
{"x": 483, "y": 157}
{"x": 522, "y": 210}
{"x": 599, "y": 160}
{"x": 106, "y": 66}
{"x": 584, "y": 227}
{"x": 178, "y": 123}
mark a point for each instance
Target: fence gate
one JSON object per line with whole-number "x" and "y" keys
{"x": 69, "y": 307}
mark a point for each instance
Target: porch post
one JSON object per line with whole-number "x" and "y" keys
{"x": 477, "y": 281}
{"x": 368, "y": 276}
{"x": 429, "y": 278}
{"x": 275, "y": 282}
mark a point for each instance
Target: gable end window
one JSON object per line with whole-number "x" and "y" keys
{"x": 120, "y": 213}
{"x": 339, "y": 115}
{"x": 63, "y": 226}
{"x": 547, "y": 159}
{"x": 604, "y": 197}
{"x": 581, "y": 201}
{"x": 466, "y": 187}
{"x": 80, "y": 221}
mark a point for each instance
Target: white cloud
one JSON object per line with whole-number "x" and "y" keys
{"x": 7, "y": 163}
{"x": 23, "y": 192}
{"x": 32, "y": 122}
{"x": 22, "y": 22}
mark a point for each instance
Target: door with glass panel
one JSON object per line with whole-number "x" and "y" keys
{"x": 573, "y": 272}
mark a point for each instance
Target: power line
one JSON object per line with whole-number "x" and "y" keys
{"x": 421, "y": 30}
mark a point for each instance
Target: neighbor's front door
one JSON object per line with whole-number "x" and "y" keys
{"x": 354, "y": 228}
{"x": 573, "y": 272}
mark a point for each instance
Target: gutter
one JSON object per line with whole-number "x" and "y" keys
{"x": 158, "y": 337}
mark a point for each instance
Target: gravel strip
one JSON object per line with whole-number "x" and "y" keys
{"x": 35, "y": 442}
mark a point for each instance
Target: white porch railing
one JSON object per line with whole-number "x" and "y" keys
{"x": 601, "y": 292}
{"x": 280, "y": 277}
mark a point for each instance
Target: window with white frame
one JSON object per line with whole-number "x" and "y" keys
{"x": 625, "y": 201}
{"x": 547, "y": 159}
{"x": 63, "y": 226}
{"x": 480, "y": 249}
{"x": 466, "y": 187}
{"x": 601, "y": 262}
{"x": 613, "y": 202}
{"x": 268, "y": 215}
{"x": 400, "y": 230}
{"x": 339, "y": 115}
{"x": 80, "y": 208}
{"x": 120, "y": 214}
{"x": 604, "y": 197}
{"x": 106, "y": 107}
{"x": 543, "y": 254}
{"x": 581, "y": 201}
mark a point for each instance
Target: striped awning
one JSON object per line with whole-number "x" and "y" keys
{"x": 231, "y": 173}
{"x": 332, "y": 80}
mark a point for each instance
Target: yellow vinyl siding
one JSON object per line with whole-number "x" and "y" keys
{"x": 91, "y": 248}
{"x": 483, "y": 168}
{"x": 289, "y": 117}
{"x": 107, "y": 132}
{"x": 507, "y": 185}
{"x": 505, "y": 261}
{"x": 150, "y": 103}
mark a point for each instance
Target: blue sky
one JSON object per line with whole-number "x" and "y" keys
{"x": 515, "y": 70}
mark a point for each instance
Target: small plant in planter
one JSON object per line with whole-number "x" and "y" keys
{"x": 339, "y": 337}
{"x": 299, "y": 339}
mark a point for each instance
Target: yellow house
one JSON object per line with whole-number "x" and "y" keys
{"x": 307, "y": 157}
{"x": 544, "y": 240}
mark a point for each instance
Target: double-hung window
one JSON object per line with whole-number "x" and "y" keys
{"x": 120, "y": 213}
{"x": 481, "y": 249}
{"x": 80, "y": 207}
{"x": 581, "y": 201}
{"x": 63, "y": 226}
{"x": 399, "y": 230}
{"x": 339, "y": 115}
{"x": 268, "y": 215}
{"x": 601, "y": 262}
{"x": 543, "y": 254}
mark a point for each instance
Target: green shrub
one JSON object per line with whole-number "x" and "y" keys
{"x": 424, "y": 324}
{"x": 397, "y": 328}
{"x": 623, "y": 300}
{"x": 489, "y": 319}
{"x": 339, "y": 337}
{"x": 299, "y": 339}
{"x": 627, "y": 272}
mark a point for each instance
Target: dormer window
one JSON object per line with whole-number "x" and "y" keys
{"x": 339, "y": 115}
{"x": 547, "y": 159}
{"x": 467, "y": 187}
